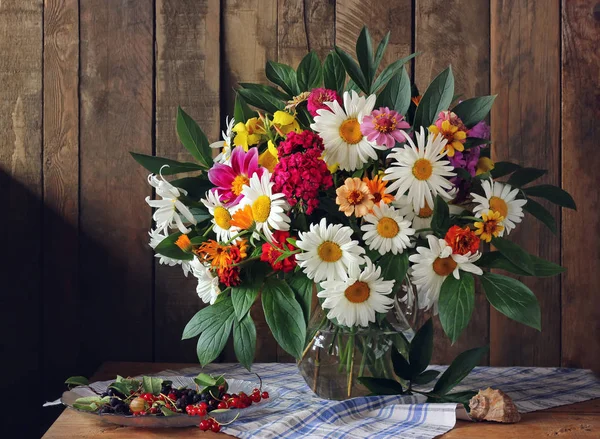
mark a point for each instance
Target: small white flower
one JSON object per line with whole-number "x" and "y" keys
{"x": 208, "y": 285}
{"x": 386, "y": 230}
{"x": 155, "y": 238}
{"x": 169, "y": 208}
{"x": 225, "y": 145}
{"x": 501, "y": 198}
{"x": 355, "y": 301}
{"x": 433, "y": 264}
{"x": 329, "y": 251}
{"x": 221, "y": 216}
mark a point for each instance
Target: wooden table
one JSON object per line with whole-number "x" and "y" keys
{"x": 573, "y": 421}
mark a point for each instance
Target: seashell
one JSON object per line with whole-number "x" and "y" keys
{"x": 493, "y": 405}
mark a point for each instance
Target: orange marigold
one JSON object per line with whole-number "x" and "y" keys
{"x": 462, "y": 241}
{"x": 377, "y": 188}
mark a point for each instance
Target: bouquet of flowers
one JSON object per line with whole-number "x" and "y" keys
{"x": 343, "y": 179}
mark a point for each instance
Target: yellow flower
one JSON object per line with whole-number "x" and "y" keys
{"x": 269, "y": 158}
{"x": 484, "y": 164}
{"x": 249, "y": 133}
{"x": 490, "y": 226}
{"x": 285, "y": 122}
{"x": 452, "y": 134}
{"x": 333, "y": 168}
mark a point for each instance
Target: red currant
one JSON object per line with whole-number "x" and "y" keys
{"x": 200, "y": 411}
{"x": 189, "y": 408}
{"x": 255, "y": 390}
{"x": 226, "y": 396}
{"x": 204, "y": 425}
{"x": 215, "y": 427}
{"x": 235, "y": 403}
{"x": 221, "y": 389}
{"x": 142, "y": 413}
{"x": 203, "y": 405}
{"x": 153, "y": 410}
{"x": 265, "y": 395}
{"x": 172, "y": 396}
{"x": 222, "y": 405}
{"x": 255, "y": 397}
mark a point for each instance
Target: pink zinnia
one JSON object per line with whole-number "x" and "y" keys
{"x": 383, "y": 127}
{"x": 318, "y": 97}
{"x": 230, "y": 179}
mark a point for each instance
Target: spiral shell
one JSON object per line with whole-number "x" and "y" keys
{"x": 493, "y": 405}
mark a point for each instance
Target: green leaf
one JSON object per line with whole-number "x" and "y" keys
{"x": 154, "y": 164}
{"x": 474, "y": 110}
{"x": 390, "y": 71}
{"x": 503, "y": 168}
{"x": 206, "y": 317}
{"x": 205, "y": 380}
{"x": 284, "y": 316}
{"x": 284, "y": 76}
{"x": 380, "y": 52}
{"x": 394, "y": 267}
{"x": 401, "y": 366}
{"x": 91, "y": 399}
{"x": 86, "y": 407}
{"x": 261, "y": 101}
{"x": 352, "y": 69}
{"x": 440, "y": 220}
{"x": 396, "y": 94}
{"x": 459, "y": 369}
{"x": 152, "y": 384}
{"x": 436, "y": 98}
{"x": 472, "y": 142}
{"x": 121, "y": 387}
{"x": 310, "y": 74}
{"x": 554, "y": 194}
{"x": 265, "y": 89}
{"x": 241, "y": 110}
{"x": 244, "y": 340}
{"x": 352, "y": 86}
{"x": 200, "y": 214}
{"x": 165, "y": 411}
{"x": 381, "y": 386}
{"x": 167, "y": 248}
{"x": 522, "y": 176}
{"x": 302, "y": 287}
{"x": 512, "y": 298}
{"x": 421, "y": 348}
{"x": 334, "y": 75}
{"x": 193, "y": 139}
{"x": 541, "y": 213}
{"x": 456, "y": 303}
{"x": 196, "y": 187}
{"x": 541, "y": 267}
{"x": 213, "y": 338}
{"x": 77, "y": 381}
{"x": 514, "y": 253}
{"x": 243, "y": 298}
{"x": 426, "y": 377}
{"x": 364, "y": 54}
{"x": 458, "y": 397}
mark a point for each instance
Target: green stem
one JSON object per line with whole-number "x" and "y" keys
{"x": 242, "y": 233}
{"x": 427, "y": 229}
{"x": 208, "y": 230}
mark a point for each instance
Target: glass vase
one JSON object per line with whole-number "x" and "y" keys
{"x": 335, "y": 357}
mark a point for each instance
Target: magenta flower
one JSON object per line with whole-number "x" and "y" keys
{"x": 383, "y": 127}
{"x": 230, "y": 179}
{"x": 318, "y": 97}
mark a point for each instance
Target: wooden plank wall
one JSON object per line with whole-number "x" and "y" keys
{"x": 81, "y": 84}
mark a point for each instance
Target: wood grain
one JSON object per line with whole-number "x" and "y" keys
{"x": 61, "y": 193}
{"x": 446, "y": 35}
{"x": 21, "y": 177}
{"x": 580, "y": 177}
{"x": 525, "y": 50}
{"x": 249, "y": 39}
{"x": 116, "y": 117}
{"x": 187, "y": 75}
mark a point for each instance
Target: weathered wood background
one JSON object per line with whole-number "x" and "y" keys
{"x": 83, "y": 82}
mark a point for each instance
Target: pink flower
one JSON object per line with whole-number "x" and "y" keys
{"x": 383, "y": 127}
{"x": 230, "y": 179}
{"x": 318, "y": 97}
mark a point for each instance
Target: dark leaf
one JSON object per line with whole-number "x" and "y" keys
{"x": 193, "y": 139}
{"x": 152, "y": 385}
{"x": 282, "y": 75}
{"x": 243, "y": 297}
{"x": 440, "y": 220}
{"x": 503, "y": 168}
{"x": 265, "y": 89}
{"x": 334, "y": 75}
{"x": 394, "y": 267}
{"x": 380, "y": 52}
{"x": 514, "y": 253}
{"x": 302, "y": 287}
{"x": 196, "y": 187}
{"x": 213, "y": 338}
{"x": 426, "y": 377}
{"x": 396, "y": 94}
{"x": 541, "y": 213}
{"x": 554, "y": 194}
{"x": 456, "y": 303}
{"x": 77, "y": 381}
{"x": 205, "y": 380}
{"x": 244, "y": 340}
{"x": 310, "y": 74}
{"x": 541, "y": 267}
{"x": 206, "y": 317}
{"x": 241, "y": 111}
{"x": 474, "y": 110}
{"x": 459, "y": 369}
{"x": 421, "y": 348}
{"x": 472, "y": 142}
{"x": 261, "y": 101}
{"x": 436, "y": 98}
{"x": 523, "y": 176}
{"x": 401, "y": 366}
{"x": 352, "y": 69}
{"x": 154, "y": 164}
{"x": 167, "y": 248}
{"x": 390, "y": 71}
{"x": 364, "y": 54}
{"x": 381, "y": 386}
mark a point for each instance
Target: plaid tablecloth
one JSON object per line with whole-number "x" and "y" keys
{"x": 298, "y": 413}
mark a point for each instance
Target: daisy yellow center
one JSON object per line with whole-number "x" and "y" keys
{"x": 425, "y": 212}
{"x": 261, "y": 208}
{"x": 358, "y": 292}
{"x": 499, "y": 205}
{"x": 329, "y": 251}
{"x": 355, "y": 197}
{"x": 350, "y": 131}
{"x": 238, "y": 183}
{"x": 387, "y": 227}
{"x": 444, "y": 266}
{"x": 222, "y": 218}
{"x": 422, "y": 169}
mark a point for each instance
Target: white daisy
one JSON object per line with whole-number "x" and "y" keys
{"x": 221, "y": 216}
{"x": 155, "y": 238}
{"x": 433, "y": 264}
{"x": 169, "y": 208}
{"x": 328, "y": 251}
{"x": 355, "y": 301}
{"x": 268, "y": 209}
{"x": 340, "y": 131}
{"x": 420, "y": 170}
{"x": 386, "y": 230}
{"x": 224, "y": 145}
{"x": 501, "y": 198}
{"x": 208, "y": 285}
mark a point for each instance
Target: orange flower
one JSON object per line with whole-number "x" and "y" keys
{"x": 354, "y": 197}
{"x": 416, "y": 100}
{"x": 462, "y": 241}
{"x": 377, "y": 188}
{"x": 222, "y": 256}
{"x": 243, "y": 218}
{"x": 184, "y": 243}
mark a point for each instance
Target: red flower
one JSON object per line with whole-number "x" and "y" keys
{"x": 272, "y": 251}
{"x": 462, "y": 241}
{"x": 229, "y": 276}
{"x": 318, "y": 97}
